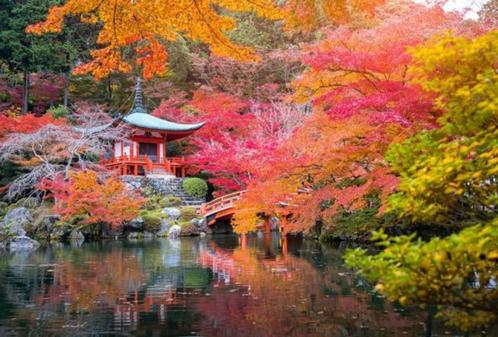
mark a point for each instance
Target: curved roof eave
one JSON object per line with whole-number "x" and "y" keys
{"x": 146, "y": 121}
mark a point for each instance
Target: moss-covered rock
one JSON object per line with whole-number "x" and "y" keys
{"x": 187, "y": 214}
{"x": 188, "y": 229}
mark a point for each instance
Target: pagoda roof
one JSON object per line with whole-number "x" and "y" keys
{"x": 146, "y": 121}
{"x": 140, "y": 118}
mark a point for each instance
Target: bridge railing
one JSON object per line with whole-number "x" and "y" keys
{"x": 221, "y": 203}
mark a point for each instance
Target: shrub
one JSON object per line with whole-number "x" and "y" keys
{"x": 195, "y": 187}
{"x": 171, "y": 201}
{"x": 59, "y": 111}
{"x": 157, "y": 201}
{"x": 152, "y": 221}
{"x": 187, "y": 214}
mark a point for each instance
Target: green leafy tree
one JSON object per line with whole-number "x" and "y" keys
{"x": 26, "y": 53}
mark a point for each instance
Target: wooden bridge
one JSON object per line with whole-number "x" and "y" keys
{"x": 220, "y": 208}
{"x": 223, "y": 208}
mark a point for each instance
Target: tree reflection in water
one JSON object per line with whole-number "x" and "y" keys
{"x": 267, "y": 291}
{"x": 216, "y": 287}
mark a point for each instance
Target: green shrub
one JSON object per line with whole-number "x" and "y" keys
{"x": 171, "y": 201}
{"x": 58, "y": 111}
{"x": 152, "y": 220}
{"x": 157, "y": 201}
{"x": 187, "y": 214}
{"x": 195, "y": 187}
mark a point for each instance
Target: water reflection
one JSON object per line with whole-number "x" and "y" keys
{"x": 221, "y": 287}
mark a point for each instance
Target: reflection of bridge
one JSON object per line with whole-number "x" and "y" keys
{"x": 220, "y": 208}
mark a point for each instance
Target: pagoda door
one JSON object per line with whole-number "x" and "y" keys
{"x": 149, "y": 150}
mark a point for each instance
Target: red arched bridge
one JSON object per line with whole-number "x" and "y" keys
{"x": 223, "y": 208}
{"x": 220, "y": 208}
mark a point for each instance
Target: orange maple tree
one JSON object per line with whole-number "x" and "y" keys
{"x": 363, "y": 100}
{"x": 146, "y": 24}
{"x": 84, "y": 195}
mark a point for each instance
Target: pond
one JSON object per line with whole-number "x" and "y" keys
{"x": 219, "y": 286}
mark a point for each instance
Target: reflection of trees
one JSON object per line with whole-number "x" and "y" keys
{"x": 102, "y": 289}
{"x": 284, "y": 295}
{"x": 171, "y": 288}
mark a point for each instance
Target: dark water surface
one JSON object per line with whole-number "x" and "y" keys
{"x": 217, "y": 287}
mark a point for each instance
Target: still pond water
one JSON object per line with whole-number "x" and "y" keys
{"x": 219, "y": 287}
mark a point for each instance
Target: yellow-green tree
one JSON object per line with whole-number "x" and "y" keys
{"x": 448, "y": 176}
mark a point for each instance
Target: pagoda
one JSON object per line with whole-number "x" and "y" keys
{"x": 145, "y": 151}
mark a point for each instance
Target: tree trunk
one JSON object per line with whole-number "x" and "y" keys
{"x": 66, "y": 90}
{"x": 25, "y": 93}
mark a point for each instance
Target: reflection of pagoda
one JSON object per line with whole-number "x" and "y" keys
{"x": 145, "y": 150}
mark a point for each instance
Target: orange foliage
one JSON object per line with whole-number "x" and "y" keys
{"x": 142, "y": 24}
{"x": 320, "y": 160}
{"x": 83, "y": 195}
{"x": 308, "y": 15}
{"x": 363, "y": 101}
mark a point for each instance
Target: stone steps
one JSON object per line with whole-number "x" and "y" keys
{"x": 165, "y": 185}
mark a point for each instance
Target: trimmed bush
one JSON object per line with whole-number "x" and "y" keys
{"x": 152, "y": 221}
{"x": 195, "y": 187}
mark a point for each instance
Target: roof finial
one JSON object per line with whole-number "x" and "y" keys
{"x": 138, "y": 102}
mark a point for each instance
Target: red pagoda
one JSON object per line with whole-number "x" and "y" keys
{"x": 145, "y": 152}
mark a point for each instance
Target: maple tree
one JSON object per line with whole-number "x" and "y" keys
{"x": 145, "y": 24}
{"x": 363, "y": 101}
{"x": 85, "y": 197}
{"x": 25, "y": 124}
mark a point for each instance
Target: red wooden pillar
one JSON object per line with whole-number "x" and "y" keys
{"x": 283, "y": 224}
{"x": 284, "y": 244}
{"x": 183, "y": 172}
{"x": 243, "y": 241}
{"x": 267, "y": 225}
{"x": 135, "y": 170}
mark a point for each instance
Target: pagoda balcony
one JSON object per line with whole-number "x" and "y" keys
{"x": 144, "y": 165}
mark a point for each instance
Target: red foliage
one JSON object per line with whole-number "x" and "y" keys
{"x": 25, "y": 124}
{"x": 364, "y": 100}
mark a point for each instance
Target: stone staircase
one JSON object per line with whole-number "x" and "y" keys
{"x": 165, "y": 185}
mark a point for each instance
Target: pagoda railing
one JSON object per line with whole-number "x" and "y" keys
{"x": 169, "y": 163}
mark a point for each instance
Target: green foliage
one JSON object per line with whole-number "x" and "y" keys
{"x": 29, "y": 202}
{"x": 152, "y": 220}
{"x": 59, "y": 111}
{"x": 455, "y": 273}
{"x": 3, "y": 208}
{"x": 187, "y": 214}
{"x": 448, "y": 175}
{"x": 157, "y": 201}
{"x": 171, "y": 201}
{"x": 8, "y": 172}
{"x": 195, "y": 187}
{"x": 354, "y": 225}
